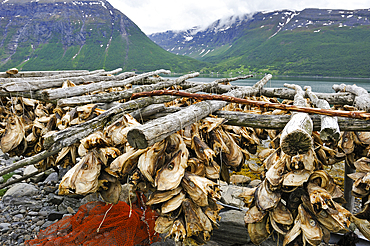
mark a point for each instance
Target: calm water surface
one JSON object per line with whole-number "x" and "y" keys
{"x": 317, "y": 84}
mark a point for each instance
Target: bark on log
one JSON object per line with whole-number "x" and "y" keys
{"x": 2, "y": 186}
{"x": 54, "y": 94}
{"x": 30, "y": 85}
{"x": 156, "y": 130}
{"x": 343, "y": 98}
{"x": 277, "y": 122}
{"x": 332, "y": 98}
{"x": 100, "y": 72}
{"x": 362, "y": 99}
{"x": 296, "y": 136}
{"x": 27, "y": 74}
{"x": 329, "y": 125}
{"x": 116, "y": 96}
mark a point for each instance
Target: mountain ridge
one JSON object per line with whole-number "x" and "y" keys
{"x": 242, "y": 44}
{"x": 92, "y": 34}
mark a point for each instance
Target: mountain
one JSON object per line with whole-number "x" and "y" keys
{"x": 319, "y": 42}
{"x": 68, "y": 34}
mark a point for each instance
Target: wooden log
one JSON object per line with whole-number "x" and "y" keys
{"x": 277, "y": 122}
{"x": 26, "y": 74}
{"x": 156, "y": 130}
{"x": 342, "y": 98}
{"x": 29, "y": 85}
{"x": 54, "y": 94}
{"x": 362, "y": 99}
{"x": 53, "y": 77}
{"x": 348, "y": 183}
{"x": 296, "y": 136}
{"x": 350, "y": 114}
{"x": 329, "y": 125}
{"x": 2, "y": 186}
{"x": 73, "y": 134}
{"x": 116, "y": 96}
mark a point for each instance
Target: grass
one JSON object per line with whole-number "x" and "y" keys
{"x": 6, "y": 177}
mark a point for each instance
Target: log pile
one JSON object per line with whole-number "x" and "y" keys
{"x": 177, "y": 146}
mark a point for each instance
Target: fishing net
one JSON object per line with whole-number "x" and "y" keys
{"x": 96, "y": 223}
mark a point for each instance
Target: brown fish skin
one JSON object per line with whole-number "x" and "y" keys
{"x": 148, "y": 160}
{"x": 163, "y": 224}
{"x": 162, "y": 196}
{"x": 173, "y": 204}
{"x": 258, "y": 232}
{"x": 14, "y": 134}
{"x": 177, "y": 231}
{"x": 196, "y": 221}
{"x": 83, "y": 177}
{"x": 203, "y": 152}
{"x": 311, "y": 229}
{"x": 170, "y": 175}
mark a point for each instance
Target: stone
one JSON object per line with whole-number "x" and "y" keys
{"x": 93, "y": 197}
{"x": 229, "y": 195}
{"x": 49, "y": 189}
{"x": 240, "y": 180}
{"x": 29, "y": 169}
{"x": 254, "y": 183}
{"x": 74, "y": 203}
{"x": 70, "y": 210}
{"x": 40, "y": 222}
{"x": 54, "y": 199}
{"x": 52, "y": 178}
{"x": 47, "y": 224}
{"x": 1, "y": 179}
{"x": 231, "y": 229}
{"x": 21, "y": 190}
{"x": 55, "y": 216}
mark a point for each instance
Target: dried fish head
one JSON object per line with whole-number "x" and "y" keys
{"x": 177, "y": 231}
{"x": 265, "y": 197}
{"x": 68, "y": 83}
{"x": 112, "y": 194}
{"x": 234, "y": 158}
{"x": 83, "y": 177}
{"x": 294, "y": 232}
{"x": 216, "y": 142}
{"x": 363, "y": 137}
{"x": 347, "y": 143}
{"x": 95, "y": 140}
{"x": 296, "y": 178}
{"x": 196, "y": 166}
{"x": 210, "y": 123}
{"x": 311, "y": 229}
{"x": 123, "y": 164}
{"x": 84, "y": 112}
{"x": 163, "y": 224}
{"x": 170, "y": 175}
{"x": 272, "y": 158}
{"x": 275, "y": 173}
{"x": 362, "y": 225}
{"x": 254, "y": 215}
{"x": 173, "y": 204}
{"x": 323, "y": 179}
{"x": 281, "y": 214}
{"x": 40, "y": 110}
{"x": 147, "y": 162}
{"x": 263, "y": 154}
{"x": 196, "y": 221}
{"x": 163, "y": 196}
{"x": 14, "y": 134}
{"x": 248, "y": 195}
{"x": 212, "y": 171}
{"x": 258, "y": 232}
{"x": 203, "y": 152}
{"x": 363, "y": 165}
{"x": 319, "y": 197}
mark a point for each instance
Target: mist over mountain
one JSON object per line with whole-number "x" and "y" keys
{"x": 67, "y": 34}
{"x": 309, "y": 42}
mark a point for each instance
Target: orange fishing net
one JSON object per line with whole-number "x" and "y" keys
{"x": 118, "y": 225}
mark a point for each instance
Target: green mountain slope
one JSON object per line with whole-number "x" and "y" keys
{"x": 56, "y": 35}
{"x": 313, "y": 42}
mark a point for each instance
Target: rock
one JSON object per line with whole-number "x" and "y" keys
{"x": 231, "y": 229}
{"x": 254, "y": 183}
{"x": 47, "y": 224}
{"x": 74, "y": 203}
{"x": 240, "y": 180}
{"x": 55, "y": 216}
{"x": 54, "y": 199}
{"x": 1, "y": 179}
{"x": 52, "y": 178}
{"x": 229, "y": 195}
{"x": 29, "y": 169}
{"x": 91, "y": 198}
{"x": 50, "y": 189}
{"x": 70, "y": 210}
{"x": 21, "y": 190}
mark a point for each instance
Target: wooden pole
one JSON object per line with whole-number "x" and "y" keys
{"x": 350, "y": 114}
{"x": 156, "y": 130}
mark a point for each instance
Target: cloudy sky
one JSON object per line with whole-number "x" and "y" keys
{"x": 162, "y": 15}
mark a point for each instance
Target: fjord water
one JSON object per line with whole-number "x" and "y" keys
{"x": 317, "y": 84}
